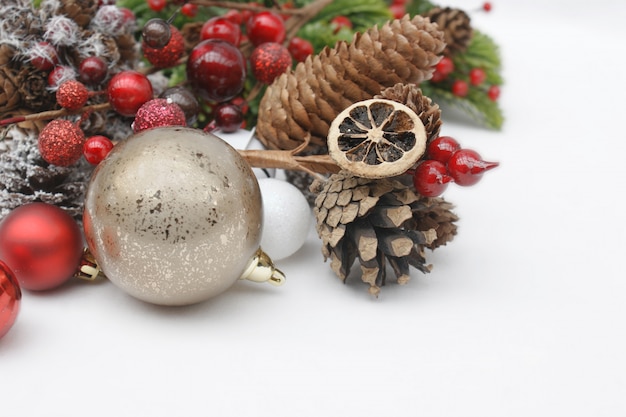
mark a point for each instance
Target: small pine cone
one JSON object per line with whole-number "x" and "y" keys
{"x": 6, "y": 54}
{"x": 128, "y": 49}
{"x": 455, "y": 24}
{"x": 376, "y": 221}
{"x": 411, "y": 96}
{"x": 191, "y": 34}
{"x": 20, "y": 20}
{"x": 33, "y": 90}
{"x": 80, "y": 11}
{"x": 307, "y": 99}
{"x": 10, "y": 97}
{"x": 435, "y": 213}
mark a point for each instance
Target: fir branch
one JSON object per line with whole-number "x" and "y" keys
{"x": 476, "y": 104}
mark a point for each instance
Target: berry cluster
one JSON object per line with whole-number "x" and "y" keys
{"x": 460, "y": 81}
{"x": 447, "y": 162}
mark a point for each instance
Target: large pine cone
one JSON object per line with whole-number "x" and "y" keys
{"x": 455, "y": 24}
{"x": 307, "y": 99}
{"x": 378, "y": 221}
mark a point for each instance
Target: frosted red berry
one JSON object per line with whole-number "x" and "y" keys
{"x": 158, "y": 112}
{"x": 96, "y": 148}
{"x": 72, "y": 95}
{"x": 467, "y": 167}
{"x": 92, "y": 70}
{"x": 219, "y": 27}
{"x": 268, "y": 61}
{"x": 431, "y": 178}
{"x": 265, "y": 27}
{"x": 477, "y": 76}
{"x": 43, "y": 56}
{"x": 61, "y": 142}
{"x": 300, "y": 48}
{"x": 493, "y": 92}
{"x": 128, "y": 91}
{"x": 442, "y": 148}
{"x": 168, "y": 55}
{"x": 228, "y": 117}
{"x": 460, "y": 88}
{"x": 216, "y": 69}
{"x": 60, "y": 74}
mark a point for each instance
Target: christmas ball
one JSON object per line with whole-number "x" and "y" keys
{"x": 173, "y": 216}
{"x": 10, "y": 298}
{"x": 286, "y": 218}
{"x": 42, "y": 245}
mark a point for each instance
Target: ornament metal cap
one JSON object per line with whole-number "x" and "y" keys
{"x": 261, "y": 269}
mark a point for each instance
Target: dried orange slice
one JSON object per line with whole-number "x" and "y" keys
{"x": 376, "y": 138}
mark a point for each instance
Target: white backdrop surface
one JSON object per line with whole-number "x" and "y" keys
{"x": 524, "y": 313}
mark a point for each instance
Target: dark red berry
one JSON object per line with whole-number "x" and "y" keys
{"x": 156, "y": 33}
{"x": 493, "y": 93}
{"x": 189, "y": 10}
{"x": 269, "y": 60}
{"x": 265, "y": 27}
{"x": 241, "y": 103}
{"x": 300, "y": 48}
{"x": 60, "y": 74}
{"x": 445, "y": 66}
{"x": 442, "y": 148}
{"x": 431, "y": 178}
{"x": 216, "y": 69}
{"x": 228, "y": 117}
{"x": 96, "y": 148}
{"x": 128, "y": 91}
{"x": 477, "y": 76}
{"x": 234, "y": 16}
{"x": 92, "y": 70}
{"x": 466, "y": 167}
{"x": 487, "y": 6}
{"x": 340, "y": 22}
{"x": 168, "y": 55}
{"x": 157, "y": 5}
{"x": 185, "y": 100}
{"x": 460, "y": 88}
{"x": 43, "y": 56}
{"x": 221, "y": 28}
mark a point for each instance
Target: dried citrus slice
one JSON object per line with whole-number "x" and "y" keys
{"x": 376, "y": 138}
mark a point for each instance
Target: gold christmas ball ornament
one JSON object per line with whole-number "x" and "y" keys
{"x": 173, "y": 216}
{"x": 376, "y": 138}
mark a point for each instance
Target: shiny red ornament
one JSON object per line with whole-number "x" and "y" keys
{"x": 128, "y": 91}
{"x": 42, "y": 245}
{"x": 72, "y": 95}
{"x": 266, "y": 27}
{"x": 61, "y": 142}
{"x": 97, "y": 148}
{"x": 467, "y": 167}
{"x": 269, "y": 60}
{"x": 10, "y": 298}
{"x": 220, "y": 27}
{"x": 168, "y": 55}
{"x": 158, "y": 112}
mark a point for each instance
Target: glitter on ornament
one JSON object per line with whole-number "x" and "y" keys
{"x": 10, "y": 298}
{"x": 269, "y": 60}
{"x": 169, "y": 55}
{"x": 159, "y": 112}
{"x": 72, "y": 95}
{"x": 61, "y": 142}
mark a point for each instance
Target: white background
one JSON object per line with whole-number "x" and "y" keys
{"x": 523, "y": 314}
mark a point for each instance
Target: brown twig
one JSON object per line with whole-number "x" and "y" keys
{"x": 243, "y": 6}
{"x": 53, "y": 114}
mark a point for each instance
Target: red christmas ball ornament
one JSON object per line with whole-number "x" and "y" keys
{"x": 467, "y": 167}
{"x": 269, "y": 60}
{"x": 158, "y": 112}
{"x": 216, "y": 69}
{"x": 97, "y": 148}
{"x": 10, "y": 298}
{"x": 72, "y": 95}
{"x": 128, "y": 91}
{"x": 168, "y": 55}
{"x": 61, "y": 142}
{"x": 266, "y": 27}
{"x": 42, "y": 245}
{"x": 431, "y": 178}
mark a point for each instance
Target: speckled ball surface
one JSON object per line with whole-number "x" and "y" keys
{"x": 173, "y": 215}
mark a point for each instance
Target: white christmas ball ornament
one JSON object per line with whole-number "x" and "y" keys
{"x": 286, "y": 218}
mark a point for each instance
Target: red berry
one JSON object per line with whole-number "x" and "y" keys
{"x": 60, "y": 74}
{"x": 445, "y": 66}
{"x": 185, "y": 99}
{"x": 158, "y": 112}
{"x": 402, "y": 2}
{"x": 340, "y": 22}
{"x": 157, "y": 5}
{"x": 92, "y": 70}
{"x": 487, "y": 6}
{"x": 156, "y": 33}
{"x": 300, "y": 48}
{"x": 221, "y": 28}
{"x": 129, "y": 16}
{"x": 96, "y": 148}
{"x": 43, "y": 56}
{"x": 466, "y": 167}
{"x": 266, "y": 27}
{"x": 72, "y": 95}
{"x": 442, "y": 148}
{"x": 61, "y": 142}
{"x": 493, "y": 92}
{"x": 477, "y": 76}
{"x": 397, "y": 10}
{"x": 228, "y": 117}
{"x": 217, "y": 69}
{"x": 437, "y": 77}
{"x": 168, "y": 55}
{"x": 269, "y": 60}
{"x": 234, "y": 16}
{"x": 431, "y": 178}
{"x": 241, "y": 103}
{"x": 128, "y": 91}
{"x": 189, "y": 10}
{"x": 460, "y": 88}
